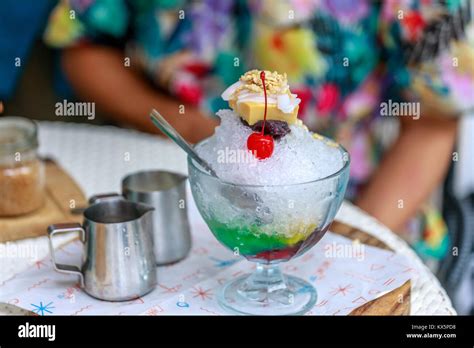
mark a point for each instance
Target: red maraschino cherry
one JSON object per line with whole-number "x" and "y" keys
{"x": 259, "y": 144}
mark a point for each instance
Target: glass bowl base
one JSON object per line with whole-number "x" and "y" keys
{"x": 248, "y": 295}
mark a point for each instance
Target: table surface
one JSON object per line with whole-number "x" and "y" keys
{"x": 99, "y": 157}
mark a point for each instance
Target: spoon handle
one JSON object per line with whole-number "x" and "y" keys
{"x": 163, "y": 125}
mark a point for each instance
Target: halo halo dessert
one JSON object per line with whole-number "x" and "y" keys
{"x": 276, "y": 191}
{"x": 299, "y": 157}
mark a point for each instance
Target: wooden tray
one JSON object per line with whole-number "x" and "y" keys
{"x": 61, "y": 189}
{"x": 395, "y": 302}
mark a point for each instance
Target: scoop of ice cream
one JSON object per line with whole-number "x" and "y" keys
{"x": 246, "y": 97}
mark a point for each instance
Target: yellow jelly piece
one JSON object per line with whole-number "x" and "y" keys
{"x": 253, "y": 112}
{"x": 328, "y": 141}
{"x": 302, "y": 232}
{"x": 331, "y": 143}
{"x": 318, "y": 136}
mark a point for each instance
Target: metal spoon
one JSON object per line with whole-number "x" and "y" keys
{"x": 245, "y": 200}
{"x": 163, "y": 125}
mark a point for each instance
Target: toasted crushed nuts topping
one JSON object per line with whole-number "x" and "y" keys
{"x": 274, "y": 82}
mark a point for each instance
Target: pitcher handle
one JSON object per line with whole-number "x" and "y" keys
{"x": 105, "y": 197}
{"x": 65, "y": 228}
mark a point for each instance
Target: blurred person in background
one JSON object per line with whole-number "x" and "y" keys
{"x": 344, "y": 59}
{"x": 26, "y": 64}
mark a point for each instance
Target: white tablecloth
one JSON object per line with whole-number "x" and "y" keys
{"x": 99, "y": 157}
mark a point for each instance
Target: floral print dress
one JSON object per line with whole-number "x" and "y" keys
{"x": 343, "y": 59}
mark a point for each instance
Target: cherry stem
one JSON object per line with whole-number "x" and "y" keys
{"x": 262, "y": 77}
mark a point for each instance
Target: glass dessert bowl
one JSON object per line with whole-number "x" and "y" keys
{"x": 268, "y": 224}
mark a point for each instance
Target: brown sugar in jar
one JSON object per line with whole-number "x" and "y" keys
{"x": 22, "y": 178}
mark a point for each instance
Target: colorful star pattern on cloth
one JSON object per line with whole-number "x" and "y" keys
{"x": 192, "y": 285}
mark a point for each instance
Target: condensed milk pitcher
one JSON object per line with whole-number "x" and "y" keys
{"x": 118, "y": 261}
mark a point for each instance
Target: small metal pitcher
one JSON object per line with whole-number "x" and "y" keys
{"x": 118, "y": 262}
{"x": 166, "y": 192}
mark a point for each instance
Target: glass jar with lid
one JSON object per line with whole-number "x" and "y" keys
{"x": 22, "y": 178}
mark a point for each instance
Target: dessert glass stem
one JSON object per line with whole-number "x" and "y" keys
{"x": 265, "y": 282}
{"x": 268, "y": 291}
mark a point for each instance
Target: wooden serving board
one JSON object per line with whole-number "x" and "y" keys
{"x": 61, "y": 191}
{"x": 395, "y": 302}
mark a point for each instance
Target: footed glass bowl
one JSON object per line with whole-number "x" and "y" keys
{"x": 268, "y": 225}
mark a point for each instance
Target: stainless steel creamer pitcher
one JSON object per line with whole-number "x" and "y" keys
{"x": 166, "y": 192}
{"x": 118, "y": 262}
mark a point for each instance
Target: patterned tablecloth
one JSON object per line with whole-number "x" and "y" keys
{"x": 98, "y": 158}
